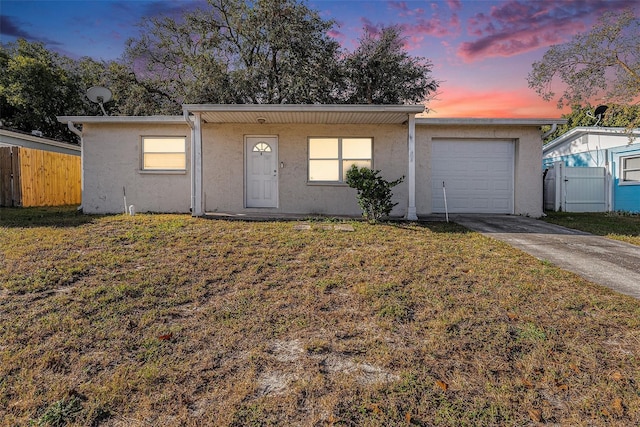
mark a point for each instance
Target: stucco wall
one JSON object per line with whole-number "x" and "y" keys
{"x": 112, "y": 160}
{"x": 223, "y": 167}
{"x": 528, "y": 158}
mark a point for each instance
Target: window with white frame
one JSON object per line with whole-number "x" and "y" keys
{"x": 164, "y": 153}
{"x": 331, "y": 158}
{"x": 631, "y": 169}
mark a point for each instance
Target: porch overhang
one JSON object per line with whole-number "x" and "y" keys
{"x": 303, "y": 114}
{"x": 198, "y": 114}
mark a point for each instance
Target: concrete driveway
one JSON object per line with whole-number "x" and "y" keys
{"x": 610, "y": 263}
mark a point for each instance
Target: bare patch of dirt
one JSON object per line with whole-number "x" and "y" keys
{"x": 294, "y": 356}
{"x": 274, "y": 382}
{"x": 286, "y": 351}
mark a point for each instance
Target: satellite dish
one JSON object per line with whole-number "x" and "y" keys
{"x": 600, "y": 110}
{"x": 598, "y": 113}
{"x": 99, "y": 95}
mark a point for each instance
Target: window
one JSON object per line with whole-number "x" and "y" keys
{"x": 631, "y": 169}
{"x": 331, "y": 158}
{"x": 262, "y": 147}
{"x": 164, "y": 153}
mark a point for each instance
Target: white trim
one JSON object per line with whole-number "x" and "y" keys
{"x": 275, "y": 152}
{"x": 577, "y": 132}
{"x": 196, "y": 167}
{"x": 411, "y": 143}
{"x": 421, "y": 121}
{"x": 621, "y": 161}
{"x": 303, "y": 108}
{"x": 173, "y": 120}
{"x": 192, "y": 160}
{"x": 163, "y": 171}
{"x": 340, "y": 159}
{"x": 39, "y": 140}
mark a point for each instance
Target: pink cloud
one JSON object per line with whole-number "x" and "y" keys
{"x": 428, "y": 27}
{"x": 337, "y": 35}
{"x": 454, "y": 5}
{"x": 515, "y": 27}
{"x": 433, "y": 27}
{"x": 370, "y": 27}
{"x": 420, "y": 25}
{"x": 416, "y": 32}
{"x": 404, "y": 10}
{"x": 507, "y": 44}
{"x": 461, "y": 101}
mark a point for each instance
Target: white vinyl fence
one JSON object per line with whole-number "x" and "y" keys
{"x": 575, "y": 189}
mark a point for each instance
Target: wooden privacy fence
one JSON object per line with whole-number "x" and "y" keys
{"x": 31, "y": 177}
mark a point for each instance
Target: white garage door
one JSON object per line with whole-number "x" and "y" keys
{"x": 477, "y": 174}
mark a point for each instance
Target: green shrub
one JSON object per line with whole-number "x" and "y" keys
{"x": 374, "y": 192}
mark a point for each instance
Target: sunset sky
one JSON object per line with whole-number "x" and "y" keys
{"x": 481, "y": 50}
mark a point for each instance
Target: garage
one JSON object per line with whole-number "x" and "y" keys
{"x": 478, "y": 176}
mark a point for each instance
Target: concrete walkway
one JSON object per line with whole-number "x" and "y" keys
{"x": 607, "y": 262}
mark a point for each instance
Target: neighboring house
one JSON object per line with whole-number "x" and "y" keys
{"x": 13, "y": 138}
{"x": 292, "y": 159}
{"x": 593, "y": 169}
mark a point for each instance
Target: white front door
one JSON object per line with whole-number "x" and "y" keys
{"x": 261, "y": 172}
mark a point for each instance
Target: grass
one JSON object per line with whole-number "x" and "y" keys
{"x": 170, "y": 320}
{"x": 614, "y": 225}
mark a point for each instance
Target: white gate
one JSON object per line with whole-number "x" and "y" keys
{"x": 575, "y": 189}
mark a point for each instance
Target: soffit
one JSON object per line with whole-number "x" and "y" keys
{"x": 305, "y": 114}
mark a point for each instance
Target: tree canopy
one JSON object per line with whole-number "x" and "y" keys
{"x": 623, "y": 116}
{"x": 602, "y": 64}
{"x": 272, "y": 52}
{"x": 229, "y": 52}
{"x": 238, "y": 51}
{"x": 380, "y": 71}
{"x": 35, "y": 85}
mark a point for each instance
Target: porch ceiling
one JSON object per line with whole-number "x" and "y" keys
{"x": 308, "y": 114}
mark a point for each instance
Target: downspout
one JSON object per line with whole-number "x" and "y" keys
{"x": 193, "y": 181}
{"x": 78, "y": 132}
{"x": 554, "y": 126}
{"x": 75, "y": 130}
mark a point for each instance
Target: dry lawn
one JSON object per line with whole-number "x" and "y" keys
{"x": 167, "y": 320}
{"x": 621, "y": 226}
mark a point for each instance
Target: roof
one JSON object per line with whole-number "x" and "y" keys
{"x": 122, "y": 119}
{"x": 308, "y": 114}
{"x": 37, "y": 139}
{"x": 488, "y": 121}
{"x": 271, "y": 113}
{"x": 577, "y": 132}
